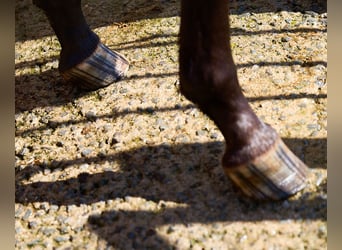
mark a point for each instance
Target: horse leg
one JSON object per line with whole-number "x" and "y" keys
{"x": 84, "y": 60}
{"x": 255, "y": 158}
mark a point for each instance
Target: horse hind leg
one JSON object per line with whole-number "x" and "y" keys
{"x": 256, "y": 159}
{"x": 84, "y": 60}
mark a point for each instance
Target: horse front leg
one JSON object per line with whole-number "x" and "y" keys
{"x": 255, "y": 159}
{"x": 84, "y": 60}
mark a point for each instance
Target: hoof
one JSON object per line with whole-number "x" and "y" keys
{"x": 102, "y": 68}
{"x": 275, "y": 175}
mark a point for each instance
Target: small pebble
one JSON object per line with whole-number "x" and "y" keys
{"x": 200, "y": 133}
{"x": 243, "y": 238}
{"x": 214, "y": 135}
{"x": 282, "y": 118}
{"x": 285, "y": 39}
{"x": 33, "y": 243}
{"x": 45, "y": 206}
{"x": 161, "y": 124}
{"x": 123, "y": 91}
{"x": 319, "y": 180}
{"x": 24, "y": 151}
{"x": 62, "y": 133}
{"x": 18, "y": 230}
{"x": 313, "y": 126}
{"x": 27, "y": 214}
{"x": 33, "y": 224}
{"x": 36, "y": 205}
{"x": 90, "y": 114}
{"x": 53, "y": 208}
{"x": 320, "y": 83}
{"x": 61, "y": 239}
{"x": 48, "y": 231}
{"x": 46, "y": 171}
{"x": 64, "y": 230}
{"x": 322, "y": 231}
{"x": 86, "y": 152}
{"x": 311, "y": 13}
{"x": 84, "y": 167}
{"x": 170, "y": 230}
{"x": 18, "y": 211}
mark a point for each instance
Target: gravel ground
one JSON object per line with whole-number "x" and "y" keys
{"x": 136, "y": 165}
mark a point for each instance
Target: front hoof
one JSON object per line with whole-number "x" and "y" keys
{"x": 275, "y": 175}
{"x": 102, "y": 68}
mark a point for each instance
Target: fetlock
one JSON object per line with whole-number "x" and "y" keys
{"x": 76, "y": 52}
{"x": 77, "y": 40}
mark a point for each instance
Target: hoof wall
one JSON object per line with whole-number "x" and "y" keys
{"x": 275, "y": 175}
{"x": 99, "y": 70}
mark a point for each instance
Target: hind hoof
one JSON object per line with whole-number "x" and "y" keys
{"x": 102, "y": 68}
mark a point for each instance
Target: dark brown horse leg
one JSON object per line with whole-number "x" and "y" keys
{"x": 84, "y": 59}
{"x": 256, "y": 159}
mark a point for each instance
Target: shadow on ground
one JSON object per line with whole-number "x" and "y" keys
{"x": 168, "y": 173}
{"x": 157, "y": 173}
{"x": 32, "y": 24}
{"x": 53, "y": 91}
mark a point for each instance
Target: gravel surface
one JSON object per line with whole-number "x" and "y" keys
{"x": 136, "y": 165}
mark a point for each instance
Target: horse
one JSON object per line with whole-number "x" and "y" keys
{"x": 256, "y": 159}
